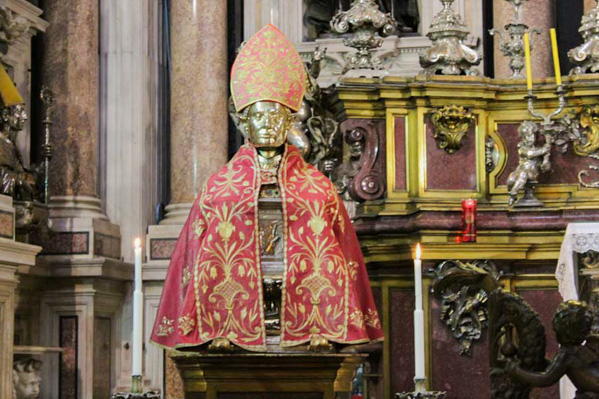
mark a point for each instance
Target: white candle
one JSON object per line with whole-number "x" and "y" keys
{"x": 418, "y": 319}
{"x": 138, "y": 316}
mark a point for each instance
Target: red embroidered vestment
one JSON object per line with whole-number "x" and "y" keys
{"x": 214, "y": 284}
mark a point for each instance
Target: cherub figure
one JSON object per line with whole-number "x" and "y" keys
{"x": 533, "y": 160}
{"x": 26, "y": 378}
{"x": 577, "y": 357}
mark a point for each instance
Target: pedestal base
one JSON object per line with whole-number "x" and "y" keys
{"x": 267, "y": 375}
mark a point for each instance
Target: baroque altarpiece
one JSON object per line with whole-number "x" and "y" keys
{"x": 405, "y": 134}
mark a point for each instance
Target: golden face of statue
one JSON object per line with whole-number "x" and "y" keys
{"x": 267, "y": 124}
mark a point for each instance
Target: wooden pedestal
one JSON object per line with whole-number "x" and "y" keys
{"x": 267, "y": 375}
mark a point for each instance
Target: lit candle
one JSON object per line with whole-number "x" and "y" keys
{"x": 556, "y": 67}
{"x": 419, "y": 375}
{"x": 527, "y": 60}
{"x": 138, "y": 300}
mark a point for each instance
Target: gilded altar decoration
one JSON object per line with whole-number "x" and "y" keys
{"x": 590, "y": 259}
{"x": 491, "y": 154}
{"x": 533, "y": 160}
{"x": 451, "y": 124}
{"x": 448, "y": 54}
{"x": 585, "y": 57}
{"x": 584, "y": 173}
{"x": 463, "y": 306}
{"x": 366, "y": 22}
{"x": 268, "y": 68}
{"x": 588, "y": 142}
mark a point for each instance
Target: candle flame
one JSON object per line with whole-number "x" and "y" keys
{"x": 137, "y": 242}
{"x": 418, "y": 251}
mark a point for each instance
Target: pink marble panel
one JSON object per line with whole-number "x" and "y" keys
{"x": 68, "y": 243}
{"x": 102, "y": 335}
{"x": 450, "y": 370}
{"x": 545, "y": 303}
{"x": 455, "y": 171}
{"x": 401, "y": 340}
{"x": 401, "y": 183}
{"x": 161, "y": 249}
{"x": 6, "y": 224}
{"x": 509, "y": 134}
{"x": 68, "y": 360}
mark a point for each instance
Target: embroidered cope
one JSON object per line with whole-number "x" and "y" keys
{"x": 214, "y": 283}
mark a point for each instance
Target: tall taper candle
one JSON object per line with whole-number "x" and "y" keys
{"x": 420, "y": 375}
{"x": 138, "y": 303}
{"x": 527, "y": 61}
{"x": 555, "y": 53}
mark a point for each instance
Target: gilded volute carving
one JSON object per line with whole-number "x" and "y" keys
{"x": 588, "y": 143}
{"x": 451, "y": 123}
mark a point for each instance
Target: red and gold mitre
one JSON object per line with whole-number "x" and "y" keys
{"x": 268, "y": 68}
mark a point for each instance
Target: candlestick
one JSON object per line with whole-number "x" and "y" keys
{"x": 528, "y": 62}
{"x": 419, "y": 375}
{"x": 556, "y": 66}
{"x": 137, "y": 346}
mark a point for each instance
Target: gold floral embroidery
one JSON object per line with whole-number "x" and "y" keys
{"x": 186, "y": 276}
{"x": 317, "y": 224}
{"x": 165, "y": 327}
{"x": 372, "y": 319}
{"x": 198, "y": 226}
{"x": 353, "y": 269}
{"x": 186, "y": 324}
{"x": 225, "y": 229}
{"x": 357, "y": 318}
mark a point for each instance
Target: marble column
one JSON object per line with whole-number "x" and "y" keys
{"x": 71, "y": 71}
{"x": 536, "y": 14}
{"x": 199, "y": 96}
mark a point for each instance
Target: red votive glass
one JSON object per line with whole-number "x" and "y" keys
{"x": 468, "y": 220}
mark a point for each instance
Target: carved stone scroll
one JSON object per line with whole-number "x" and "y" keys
{"x": 463, "y": 304}
{"x": 361, "y": 176}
